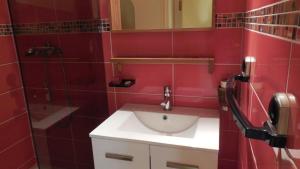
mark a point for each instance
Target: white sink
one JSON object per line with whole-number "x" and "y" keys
{"x": 187, "y": 127}
{"x": 169, "y": 122}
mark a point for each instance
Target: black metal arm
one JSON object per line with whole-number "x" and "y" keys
{"x": 266, "y": 132}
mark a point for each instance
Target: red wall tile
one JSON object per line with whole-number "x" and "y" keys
{"x": 142, "y": 44}
{"x": 14, "y": 105}
{"x": 7, "y": 50}
{"x": 150, "y": 79}
{"x": 222, "y": 6}
{"x": 193, "y": 44}
{"x": 4, "y": 13}
{"x": 16, "y": 149}
{"x": 293, "y": 87}
{"x": 275, "y": 70}
{"x": 18, "y": 155}
{"x": 10, "y": 77}
{"x": 195, "y": 80}
{"x": 268, "y": 63}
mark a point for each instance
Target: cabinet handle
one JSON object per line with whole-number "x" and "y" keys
{"x": 119, "y": 157}
{"x": 181, "y": 166}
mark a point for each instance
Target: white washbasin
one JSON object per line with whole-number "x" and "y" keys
{"x": 186, "y": 127}
{"x": 169, "y": 122}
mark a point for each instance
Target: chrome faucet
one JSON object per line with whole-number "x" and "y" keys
{"x": 167, "y": 104}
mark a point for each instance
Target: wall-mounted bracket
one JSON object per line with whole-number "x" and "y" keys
{"x": 210, "y": 62}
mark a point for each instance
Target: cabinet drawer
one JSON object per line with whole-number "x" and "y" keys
{"x": 120, "y": 155}
{"x": 173, "y": 158}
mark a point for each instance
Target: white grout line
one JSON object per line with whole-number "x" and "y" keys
{"x": 6, "y": 64}
{"x": 113, "y": 71}
{"x": 13, "y": 118}
{"x": 27, "y": 162}
{"x": 289, "y": 68}
{"x": 250, "y": 104}
{"x": 14, "y": 144}
{"x": 172, "y": 42}
{"x": 11, "y": 91}
{"x": 274, "y": 36}
{"x": 275, "y": 14}
{"x": 266, "y": 6}
{"x": 253, "y": 155}
{"x": 260, "y": 102}
{"x": 273, "y": 25}
{"x": 173, "y": 83}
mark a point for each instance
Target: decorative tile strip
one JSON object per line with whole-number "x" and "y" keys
{"x": 5, "y": 30}
{"x": 230, "y": 20}
{"x": 62, "y": 27}
{"x": 102, "y": 25}
{"x": 281, "y": 19}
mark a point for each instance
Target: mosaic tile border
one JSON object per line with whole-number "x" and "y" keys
{"x": 5, "y": 30}
{"x": 230, "y": 20}
{"x": 102, "y": 25}
{"x": 281, "y": 19}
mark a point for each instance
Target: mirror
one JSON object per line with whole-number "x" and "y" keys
{"x": 161, "y": 14}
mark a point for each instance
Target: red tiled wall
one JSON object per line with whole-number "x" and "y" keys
{"x": 75, "y": 79}
{"x": 276, "y": 70}
{"x": 16, "y": 149}
{"x": 192, "y": 85}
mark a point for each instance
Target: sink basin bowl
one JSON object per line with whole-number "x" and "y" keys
{"x": 163, "y": 121}
{"x": 186, "y": 127}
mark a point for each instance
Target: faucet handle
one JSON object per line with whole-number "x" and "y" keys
{"x": 167, "y": 91}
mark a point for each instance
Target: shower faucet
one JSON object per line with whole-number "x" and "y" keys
{"x": 47, "y": 50}
{"x": 167, "y": 104}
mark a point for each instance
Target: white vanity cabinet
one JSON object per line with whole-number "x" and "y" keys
{"x": 180, "y": 158}
{"x": 110, "y": 154}
{"x": 146, "y": 137}
{"x": 120, "y": 155}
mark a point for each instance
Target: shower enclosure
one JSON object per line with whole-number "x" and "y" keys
{"x": 59, "y": 47}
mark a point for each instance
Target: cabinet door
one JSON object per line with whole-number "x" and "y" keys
{"x": 173, "y": 158}
{"x": 120, "y": 155}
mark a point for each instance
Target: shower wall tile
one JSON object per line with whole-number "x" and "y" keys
{"x": 84, "y": 153}
{"x": 13, "y": 131}
{"x": 7, "y": 50}
{"x": 15, "y": 141}
{"x": 14, "y": 105}
{"x": 85, "y": 76}
{"x": 60, "y": 150}
{"x": 83, "y": 126}
{"x": 89, "y": 50}
{"x": 90, "y": 104}
{"x": 17, "y": 155}
{"x": 38, "y": 69}
{"x": 76, "y": 9}
{"x": 10, "y": 77}
{"x": 4, "y": 13}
